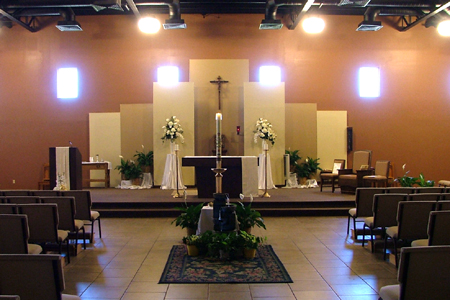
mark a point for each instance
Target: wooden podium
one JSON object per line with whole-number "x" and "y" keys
{"x": 74, "y": 168}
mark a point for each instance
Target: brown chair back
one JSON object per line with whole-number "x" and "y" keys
{"x": 412, "y": 218}
{"x": 424, "y": 197}
{"x": 382, "y": 168}
{"x": 66, "y": 211}
{"x": 385, "y": 209}
{"x": 23, "y": 199}
{"x": 364, "y": 201}
{"x": 13, "y": 234}
{"x": 8, "y": 208}
{"x": 361, "y": 157}
{"x": 438, "y": 226}
{"x": 42, "y": 221}
{"x": 83, "y": 203}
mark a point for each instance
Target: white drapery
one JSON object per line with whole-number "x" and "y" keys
{"x": 62, "y": 168}
{"x": 169, "y": 181}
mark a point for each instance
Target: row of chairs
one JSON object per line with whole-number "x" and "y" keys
{"x": 42, "y": 220}
{"x": 31, "y": 277}
{"x": 364, "y": 199}
{"x": 83, "y": 204}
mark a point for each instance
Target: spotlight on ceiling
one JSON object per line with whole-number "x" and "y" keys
{"x": 443, "y": 28}
{"x": 174, "y": 24}
{"x": 69, "y": 23}
{"x": 270, "y": 24}
{"x": 149, "y": 25}
{"x": 313, "y": 25}
{"x": 369, "y": 26}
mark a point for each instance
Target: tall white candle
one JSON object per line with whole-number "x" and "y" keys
{"x": 219, "y": 134}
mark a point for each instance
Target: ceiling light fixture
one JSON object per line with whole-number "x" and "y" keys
{"x": 149, "y": 25}
{"x": 69, "y": 23}
{"x": 369, "y": 23}
{"x": 313, "y": 25}
{"x": 443, "y": 28}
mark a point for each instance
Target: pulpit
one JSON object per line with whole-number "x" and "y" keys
{"x": 241, "y": 175}
{"x": 73, "y": 158}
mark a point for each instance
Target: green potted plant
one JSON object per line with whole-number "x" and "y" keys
{"x": 407, "y": 181}
{"x": 308, "y": 168}
{"x": 191, "y": 242}
{"x": 129, "y": 170}
{"x": 425, "y": 183}
{"x": 190, "y": 214}
{"x": 248, "y": 217}
{"x": 145, "y": 160}
{"x": 293, "y": 159}
{"x": 250, "y": 243}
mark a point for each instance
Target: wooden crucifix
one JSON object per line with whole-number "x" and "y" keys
{"x": 219, "y": 82}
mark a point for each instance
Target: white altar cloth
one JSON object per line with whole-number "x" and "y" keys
{"x": 206, "y": 221}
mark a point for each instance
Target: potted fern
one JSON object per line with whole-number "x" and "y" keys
{"x": 248, "y": 217}
{"x": 145, "y": 160}
{"x": 189, "y": 217}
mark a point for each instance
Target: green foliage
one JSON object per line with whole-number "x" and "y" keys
{"x": 189, "y": 216}
{"x": 129, "y": 169}
{"x": 293, "y": 159}
{"x": 425, "y": 183}
{"x": 251, "y": 241}
{"x": 248, "y": 217}
{"x": 308, "y": 168}
{"x": 191, "y": 240}
{"x": 144, "y": 159}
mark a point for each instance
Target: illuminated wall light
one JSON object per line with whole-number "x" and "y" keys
{"x": 369, "y": 82}
{"x": 313, "y": 25}
{"x": 443, "y": 28}
{"x": 269, "y": 75}
{"x": 168, "y": 75}
{"x": 67, "y": 83}
{"x": 149, "y": 25}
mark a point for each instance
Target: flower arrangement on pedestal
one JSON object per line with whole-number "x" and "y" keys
{"x": 264, "y": 131}
{"x": 172, "y": 130}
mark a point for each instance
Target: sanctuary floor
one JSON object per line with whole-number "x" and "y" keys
{"x": 322, "y": 260}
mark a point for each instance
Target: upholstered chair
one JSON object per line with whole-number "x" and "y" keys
{"x": 350, "y": 179}
{"x": 381, "y": 175}
{"x": 329, "y": 177}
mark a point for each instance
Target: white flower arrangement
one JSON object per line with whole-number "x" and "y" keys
{"x": 172, "y": 130}
{"x": 264, "y": 131}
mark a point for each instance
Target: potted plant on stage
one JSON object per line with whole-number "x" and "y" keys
{"x": 129, "y": 170}
{"x": 145, "y": 160}
{"x": 191, "y": 242}
{"x": 250, "y": 243}
{"x": 308, "y": 169}
{"x": 189, "y": 217}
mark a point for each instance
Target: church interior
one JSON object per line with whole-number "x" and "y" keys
{"x": 219, "y": 48}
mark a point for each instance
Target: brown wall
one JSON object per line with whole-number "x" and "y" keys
{"x": 407, "y": 124}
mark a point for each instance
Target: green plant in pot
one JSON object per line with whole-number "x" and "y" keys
{"x": 309, "y": 168}
{"x": 250, "y": 243}
{"x": 248, "y": 217}
{"x": 407, "y": 181}
{"x": 129, "y": 170}
{"x": 293, "y": 159}
{"x": 190, "y": 214}
{"x": 425, "y": 183}
{"x": 144, "y": 159}
{"x": 191, "y": 242}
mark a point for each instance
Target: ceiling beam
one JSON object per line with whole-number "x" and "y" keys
{"x": 17, "y": 21}
{"x": 134, "y": 8}
{"x": 302, "y": 13}
{"x": 425, "y": 17}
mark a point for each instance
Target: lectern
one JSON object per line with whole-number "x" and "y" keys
{"x": 75, "y": 172}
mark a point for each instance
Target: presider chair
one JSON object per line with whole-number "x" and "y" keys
{"x": 350, "y": 179}
{"x": 380, "y": 176}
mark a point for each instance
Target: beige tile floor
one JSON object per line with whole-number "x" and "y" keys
{"x": 322, "y": 261}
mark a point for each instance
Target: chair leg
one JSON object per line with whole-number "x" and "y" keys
{"x": 354, "y": 227}
{"x": 385, "y": 247}
{"x": 84, "y": 238}
{"x": 371, "y": 240}
{"x": 99, "y": 227}
{"x": 395, "y": 251}
{"x": 348, "y": 224}
{"x": 364, "y": 235}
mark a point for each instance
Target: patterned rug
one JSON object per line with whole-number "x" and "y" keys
{"x": 264, "y": 268}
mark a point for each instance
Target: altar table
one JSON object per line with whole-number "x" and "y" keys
{"x": 241, "y": 175}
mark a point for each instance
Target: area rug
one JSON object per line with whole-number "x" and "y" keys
{"x": 266, "y": 267}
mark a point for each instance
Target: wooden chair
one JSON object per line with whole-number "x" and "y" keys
{"x": 83, "y": 204}
{"x": 67, "y": 221}
{"x": 33, "y": 277}
{"x": 412, "y": 224}
{"x": 43, "y": 223}
{"x": 384, "y": 214}
{"x": 331, "y": 176}
{"x": 380, "y": 176}
{"x": 14, "y": 236}
{"x": 45, "y": 183}
{"x": 422, "y": 274}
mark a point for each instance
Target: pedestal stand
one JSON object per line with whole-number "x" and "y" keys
{"x": 177, "y": 193}
{"x": 266, "y": 194}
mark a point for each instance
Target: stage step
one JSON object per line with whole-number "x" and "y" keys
{"x": 266, "y": 208}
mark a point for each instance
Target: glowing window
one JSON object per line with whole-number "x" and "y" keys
{"x": 168, "y": 75}
{"x": 67, "y": 83}
{"x": 369, "y": 82}
{"x": 269, "y": 75}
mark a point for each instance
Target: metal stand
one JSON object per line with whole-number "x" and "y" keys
{"x": 266, "y": 194}
{"x": 177, "y": 193}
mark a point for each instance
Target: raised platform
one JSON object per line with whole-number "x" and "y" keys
{"x": 160, "y": 203}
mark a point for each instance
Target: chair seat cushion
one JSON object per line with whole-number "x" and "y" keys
{"x": 392, "y": 231}
{"x": 374, "y": 177}
{"x": 328, "y": 175}
{"x": 444, "y": 182}
{"x": 390, "y": 292}
{"x": 419, "y": 243}
{"x": 94, "y": 215}
{"x": 34, "y": 249}
{"x": 79, "y": 224}
{"x": 369, "y": 222}
{"x": 352, "y": 212}
{"x": 62, "y": 235}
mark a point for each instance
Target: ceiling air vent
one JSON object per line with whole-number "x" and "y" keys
{"x": 270, "y": 24}
{"x": 369, "y": 26}
{"x": 69, "y": 26}
{"x": 361, "y": 3}
{"x": 174, "y": 24}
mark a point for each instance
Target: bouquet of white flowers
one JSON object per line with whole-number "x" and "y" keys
{"x": 172, "y": 130}
{"x": 264, "y": 131}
